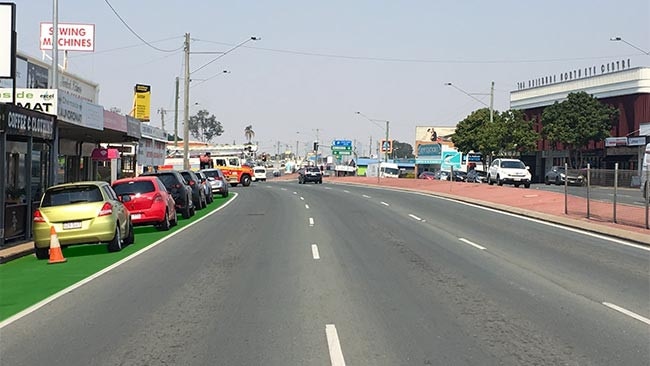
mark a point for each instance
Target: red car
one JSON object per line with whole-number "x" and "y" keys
{"x": 150, "y": 204}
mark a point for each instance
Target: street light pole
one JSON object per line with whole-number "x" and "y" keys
{"x": 186, "y": 103}
{"x": 472, "y": 95}
{"x": 619, "y": 39}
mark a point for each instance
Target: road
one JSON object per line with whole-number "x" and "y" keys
{"x": 328, "y": 274}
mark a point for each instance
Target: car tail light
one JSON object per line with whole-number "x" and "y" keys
{"x": 106, "y": 210}
{"x": 38, "y": 217}
{"x": 157, "y": 198}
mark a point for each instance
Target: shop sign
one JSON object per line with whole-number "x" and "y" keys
{"x": 152, "y": 132}
{"x": 429, "y": 150}
{"x": 71, "y": 37}
{"x": 70, "y": 108}
{"x": 133, "y": 127}
{"x": 636, "y": 141}
{"x": 92, "y": 115}
{"x": 615, "y": 141}
{"x": 114, "y": 121}
{"x": 142, "y": 102}
{"x": 20, "y": 121}
{"x": 40, "y": 100}
{"x": 78, "y": 87}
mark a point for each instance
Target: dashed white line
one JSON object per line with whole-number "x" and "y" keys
{"x": 627, "y": 312}
{"x": 366, "y": 196}
{"x": 346, "y": 191}
{"x": 295, "y": 192}
{"x": 384, "y": 203}
{"x": 471, "y": 243}
{"x": 284, "y": 189}
{"x": 306, "y": 206}
{"x": 328, "y": 188}
{"x": 415, "y": 217}
{"x": 314, "y": 251}
{"x": 311, "y": 221}
{"x": 336, "y": 354}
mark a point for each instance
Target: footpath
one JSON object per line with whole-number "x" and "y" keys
{"x": 535, "y": 203}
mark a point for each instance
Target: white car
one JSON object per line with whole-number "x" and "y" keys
{"x": 509, "y": 171}
{"x": 259, "y": 174}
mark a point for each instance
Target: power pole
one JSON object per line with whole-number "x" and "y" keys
{"x": 492, "y": 103}
{"x": 370, "y": 148}
{"x": 386, "y": 152}
{"x": 186, "y": 107}
{"x": 176, "y": 115}
{"x": 162, "y": 112}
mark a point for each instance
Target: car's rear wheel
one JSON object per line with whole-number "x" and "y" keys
{"x": 165, "y": 224}
{"x": 130, "y": 238}
{"x": 41, "y": 253}
{"x": 224, "y": 194}
{"x": 489, "y": 179}
{"x": 499, "y": 181}
{"x": 187, "y": 213}
{"x": 527, "y": 185}
{"x": 115, "y": 245}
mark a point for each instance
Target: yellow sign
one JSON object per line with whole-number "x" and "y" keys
{"x": 142, "y": 102}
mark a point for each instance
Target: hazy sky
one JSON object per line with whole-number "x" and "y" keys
{"x": 320, "y": 61}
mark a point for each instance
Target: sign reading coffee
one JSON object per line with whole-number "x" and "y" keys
{"x": 24, "y": 122}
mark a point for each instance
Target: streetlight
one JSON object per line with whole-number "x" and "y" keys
{"x": 472, "y": 95}
{"x": 619, "y": 39}
{"x": 387, "y": 129}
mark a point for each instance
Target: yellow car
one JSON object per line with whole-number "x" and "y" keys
{"x": 82, "y": 213}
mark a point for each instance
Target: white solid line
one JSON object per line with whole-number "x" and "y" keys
{"x": 627, "y": 312}
{"x": 336, "y": 354}
{"x": 314, "y": 251}
{"x": 311, "y": 221}
{"x": 75, "y": 286}
{"x": 472, "y": 244}
{"x": 302, "y": 198}
{"x": 306, "y": 206}
{"x": 366, "y": 196}
{"x": 384, "y": 203}
{"x": 415, "y": 217}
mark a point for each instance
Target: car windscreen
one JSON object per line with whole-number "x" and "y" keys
{"x": 211, "y": 173}
{"x": 392, "y": 171}
{"x": 260, "y": 170}
{"x": 513, "y": 164}
{"x": 188, "y": 177}
{"x": 71, "y": 195}
{"x": 134, "y": 187}
{"x": 315, "y": 170}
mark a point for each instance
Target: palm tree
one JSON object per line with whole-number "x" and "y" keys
{"x": 249, "y": 133}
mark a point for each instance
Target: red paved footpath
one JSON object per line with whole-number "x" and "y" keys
{"x": 537, "y": 203}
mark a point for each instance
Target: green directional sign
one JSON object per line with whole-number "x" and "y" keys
{"x": 342, "y": 152}
{"x": 341, "y": 148}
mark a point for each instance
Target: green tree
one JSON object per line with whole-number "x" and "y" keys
{"x": 402, "y": 150}
{"x": 249, "y": 133}
{"x": 575, "y": 122}
{"x": 516, "y": 133}
{"x": 204, "y": 126}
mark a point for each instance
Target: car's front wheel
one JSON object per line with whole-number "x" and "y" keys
{"x": 489, "y": 179}
{"x": 246, "y": 181}
{"x": 499, "y": 181}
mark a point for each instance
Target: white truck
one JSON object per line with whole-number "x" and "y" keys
{"x": 385, "y": 170}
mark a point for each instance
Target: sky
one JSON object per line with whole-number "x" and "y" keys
{"x": 319, "y": 62}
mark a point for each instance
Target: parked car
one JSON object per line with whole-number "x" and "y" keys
{"x": 217, "y": 181}
{"x": 276, "y": 172}
{"x": 82, "y": 213}
{"x": 427, "y": 175}
{"x": 476, "y": 176}
{"x": 206, "y": 186}
{"x": 310, "y": 174}
{"x": 259, "y": 174}
{"x": 458, "y": 176}
{"x": 198, "y": 191}
{"x": 558, "y": 175}
{"x": 150, "y": 203}
{"x": 179, "y": 188}
{"x": 509, "y": 171}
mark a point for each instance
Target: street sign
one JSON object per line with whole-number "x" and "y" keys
{"x": 341, "y": 148}
{"x": 342, "y": 143}
{"x": 342, "y": 152}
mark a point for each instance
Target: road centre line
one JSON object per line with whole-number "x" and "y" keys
{"x": 302, "y": 198}
{"x": 284, "y": 189}
{"x": 366, "y": 196}
{"x": 384, "y": 203}
{"x": 627, "y": 312}
{"x": 471, "y": 243}
{"x": 415, "y": 217}
{"x": 75, "y": 286}
{"x": 314, "y": 251}
{"x": 336, "y": 354}
{"x": 306, "y": 206}
{"x": 311, "y": 221}
{"x": 295, "y": 192}
{"x": 346, "y": 191}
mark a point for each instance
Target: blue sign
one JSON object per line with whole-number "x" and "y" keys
{"x": 342, "y": 143}
{"x": 429, "y": 150}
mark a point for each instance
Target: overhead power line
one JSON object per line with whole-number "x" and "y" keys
{"x": 135, "y": 33}
{"x": 84, "y": 54}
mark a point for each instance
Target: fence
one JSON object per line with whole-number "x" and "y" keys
{"x": 613, "y": 195}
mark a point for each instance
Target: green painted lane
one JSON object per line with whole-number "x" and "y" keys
{"x": 27, "y": 280}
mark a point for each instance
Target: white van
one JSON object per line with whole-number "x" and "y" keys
{"x": 259, "y": 174}
{"x": 386, "y": 170}
{"x": 645, "y": 168}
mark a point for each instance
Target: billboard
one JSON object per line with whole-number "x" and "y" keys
{"x": 142, "y": 102}
{"x": 40, "y": 100}
{"x": 7, "y": 45}
{"x": 71, "y": 37}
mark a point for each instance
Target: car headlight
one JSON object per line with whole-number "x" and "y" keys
{"x": 562, "y": 175}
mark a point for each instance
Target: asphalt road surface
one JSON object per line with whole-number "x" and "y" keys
{"x": 325, "y": 274}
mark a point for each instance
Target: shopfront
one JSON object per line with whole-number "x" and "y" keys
{"x": 26, "y": 140}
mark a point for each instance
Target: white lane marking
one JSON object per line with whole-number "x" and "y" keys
{"x": 302, "y": 198}
{"x": 75, "y": 286}
{"x": 384, "y": 203}
{"x": 306, "y": 206}
{"x": 415, "y": 217}
{"x": 471, "y": 243}
{"x": 295, "y": 192}
{"x": 284, "y": 189}
{"x": 328, "y": 188}
{"x": 627, "y": 312}
{"x": 346, "y": 191}
{"x": 311, "y": 221}
{"x": 366, "y": 196}
{"x": 336, "y": 354}
{"x": 314, "y": 251}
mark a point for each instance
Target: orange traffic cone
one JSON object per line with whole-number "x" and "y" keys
{"x": 56, "y": 256}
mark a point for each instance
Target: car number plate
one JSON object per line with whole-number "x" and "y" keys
{"x": 72, "y": 225}
{"x": 136, "y": 216}
{"x": 517, "y": 179}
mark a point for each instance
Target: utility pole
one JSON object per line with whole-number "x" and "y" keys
{"x": 370, "y": 148}
{"x": 186, "y": 107}
{"x": 492, "y": 103}
{"x": 386, "y": 152}
{"x": 176, "y": 115}
{"x": 162, "y": 112}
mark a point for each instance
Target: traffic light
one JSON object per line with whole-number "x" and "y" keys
{"x": 315, "y": 145}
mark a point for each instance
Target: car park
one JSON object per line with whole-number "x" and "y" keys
{"x": 179, "y": 188}
{"x": 310, "y": 174}
{"x": 509, "y": 171}
{"x": 207, "y": 188}
{"x": 150, "y": 203}
{"x": 217, "y": 181}
{"x": 82, "y": 213}
{"x": 558, "y": 175}
{"x": 198, "y": 190}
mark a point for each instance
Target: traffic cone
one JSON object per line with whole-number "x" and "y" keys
{"x": 56, "y": 256}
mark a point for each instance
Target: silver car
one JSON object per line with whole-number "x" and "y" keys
{"x": 217, "y": 181}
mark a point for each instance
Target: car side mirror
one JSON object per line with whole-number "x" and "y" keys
{"x": 527, "y": 167}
